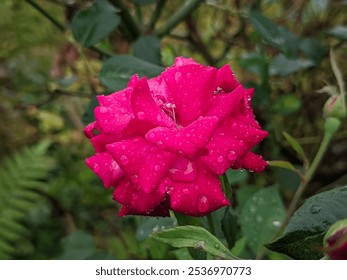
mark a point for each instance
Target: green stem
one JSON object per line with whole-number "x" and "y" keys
{"x": 156, "y": 14}
{"x": 56, "y": 23}
{"x": 128, "y": 20}
{"x": 331, "y": 127}
{"x": 188, "y": 7}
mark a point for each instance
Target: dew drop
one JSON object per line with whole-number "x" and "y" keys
{"x": 135, "y": 196}
{"x": 216, "y": 246}
{"x": 203, "y": 204}
{"x": 185, "y": 191}
{"x": 124, "y": 159}
{"x": 277, "y": 223}
{"x": 156, "y": 167}
{"x": 232, "y": 155}
{"x": 178, "y": 76}
{"x": 134, "y": 178}
{"x": 103, "y": 109}
{"x": 259, "y": 219}
{"x": 315, "y": 209}
{"x": 96, "y": 167}
{"x": 220, "y": 159}
{"x": 141, "y": 115}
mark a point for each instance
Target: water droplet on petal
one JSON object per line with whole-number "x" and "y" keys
{"x": 185, "y": 191}
{"x": 220, "y": 158}
{"x": 124, "y": 159}
{"x": 103, "y": 109}
{"x": 140, "y": 115}
{"x": 134, "y": 178}
{"x": 96, "y": 167}
{"x": 178, "y": 76}
{"x": 203, "y": 204}
{"x": 156, "y": 167}
{"x": 135, "y": 196}
{"x": 232, "y": 155}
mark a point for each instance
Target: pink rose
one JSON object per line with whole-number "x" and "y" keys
{"x": 162, "y": 143}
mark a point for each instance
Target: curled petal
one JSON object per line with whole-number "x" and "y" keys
{"x": 145, "y": 108}
{"x": 89, "y": 129}
{"x": 226, "y": 79}
{"x": 188, "y": 140}
{"x": 253, "y": 162}
{"x": 190, "y": 87}
{"x": 106, "y": 168}
{"x": 136, "y": 201}
{"x": 198, "y": 198}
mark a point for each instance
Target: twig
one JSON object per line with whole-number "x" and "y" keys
{"x": 187, "y": 8}
{"x": 156, "y": 14}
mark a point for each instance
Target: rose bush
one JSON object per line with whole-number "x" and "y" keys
{"x": 163, "y": 142}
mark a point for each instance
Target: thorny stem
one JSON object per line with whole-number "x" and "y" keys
{"x": 188, "y": 7}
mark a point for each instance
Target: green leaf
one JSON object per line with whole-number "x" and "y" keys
{"x": 151, "y": 225}
{"x": 282, "y": 164}
{"x": 78, "y": 245}
{"x": 194, "y": 237}
{"x": 283, "y": 66}
{"x": 339, "y": 31}
{"x": 296, "y": 146}
{"x": 255, "y": 63}
{"x": 287, "y": 104}
{"x": 236, "y": 176}
{"x": 314, "y": 50}
{"x": 95, "y": 23}
{"x": 267, "y": 29}
{"x": 147, "y": 48}
{"x": 117, "y": 71}
{"x": 304, "y": 234}
{"x": 230, "y": 226}
{"x": 261, "y": 216}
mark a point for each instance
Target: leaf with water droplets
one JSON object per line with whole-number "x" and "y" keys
{"x": 258, "y": 215}
{"x": 194, "y": 237}
{"x": 304, "y": 234}
{"x": 150, "y": 225}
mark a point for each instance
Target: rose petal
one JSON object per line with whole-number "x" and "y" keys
{"x": 183, "y": 170}
{"x": 106, "y": 168}
{"x": 137, "y": 201}
{"x": 114, "y": 112}
{"x": 226, "y": 79}
{"x": 100, "y": 141}
{"x": 180, "y": 61}
{"x": 253, "y": 162}
{"x": 190, "y": 86}
{"x": 225, "y": 104}
{"x": 146, "y": 109}
{"x": 89, "y": 129}
{"x": 200, "y": 198}
{"x": 188, "y": 140}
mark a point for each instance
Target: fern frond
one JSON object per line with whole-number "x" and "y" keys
{"x": 21, "y": 175}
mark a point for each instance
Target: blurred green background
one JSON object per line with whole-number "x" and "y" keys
{"x": 53, "y": 207}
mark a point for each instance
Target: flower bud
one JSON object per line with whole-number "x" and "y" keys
{"x": 335, "y": 107}
{"x": 335, "y": 241}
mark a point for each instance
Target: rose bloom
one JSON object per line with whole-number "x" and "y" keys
{"x": 162, "y": 143}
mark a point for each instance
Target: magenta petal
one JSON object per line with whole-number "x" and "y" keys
{"x": 225, "y": 104}
{"x": 190, "y": 86}
{"x": 89, "y": 129}
{"x": 130, "y": 154}
{"x": 198, "y": 198}
{"x": 183, "y": 170}
{"x": 180, "y": 61}
{"x": 106, "y": 168}
{"x": 100, "y": 141}
{"x": 188, "y": 140}
{"x": 254, "y": 162}
{"x": 146, "y": 109}
{"x": 154, "y": 168}
{"x": 226, "y": 79}
{"x": 114, "y": 112}
{"x": 137, "y": 201}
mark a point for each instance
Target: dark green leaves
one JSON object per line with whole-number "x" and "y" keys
{"x": 267, "y": 29}
{"x": 339, "y": 31}
{"x": 284, "y": 66}
{"x": 95, "y": 23}
{"x": 116, "y": 71}
{"x": 304, "y": 234}
{"x": 194, "y": 237}
{"x": 148, "y": 48}
{"x": 261, "y": 216}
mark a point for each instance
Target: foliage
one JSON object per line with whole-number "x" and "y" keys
{"x": 23, "y": 178}
{"x": 61, "y": 54}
